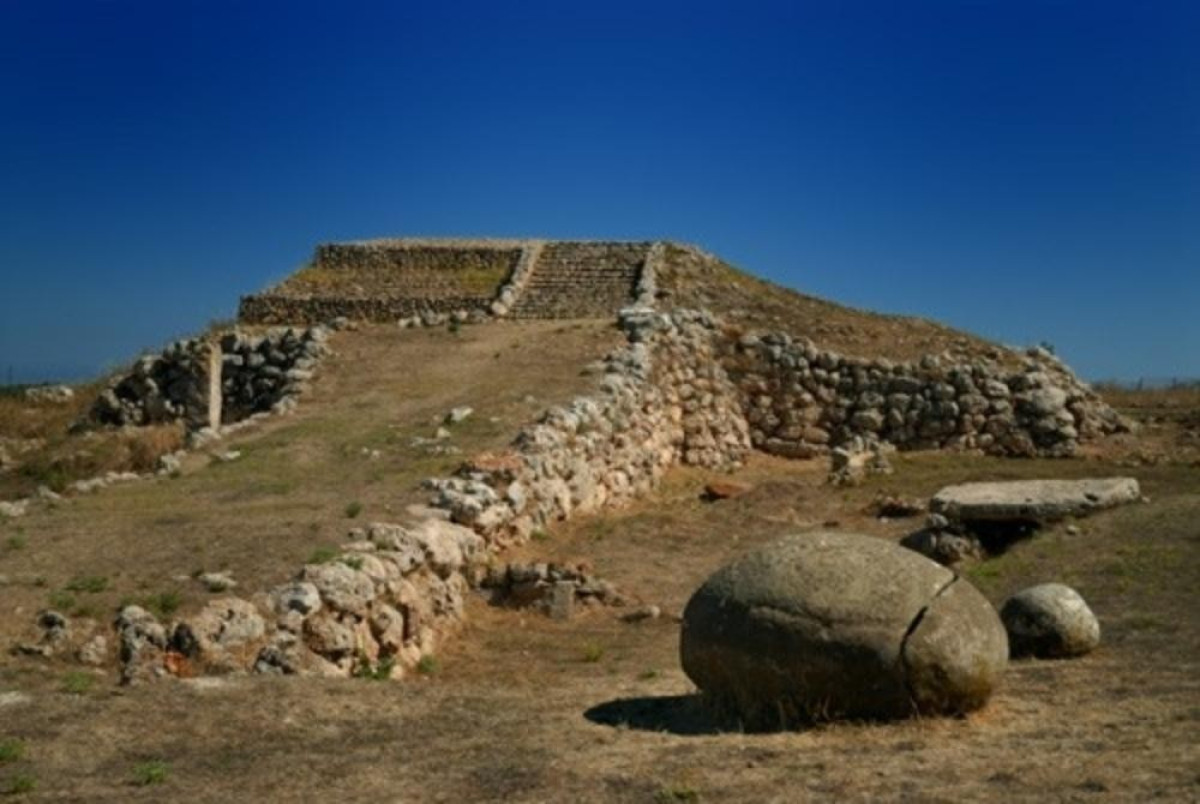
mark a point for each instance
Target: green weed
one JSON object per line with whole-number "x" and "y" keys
{"x": 77, "y": 682}
{"x": 91, "y": 584}
{"x": 11, "y": 750}
{"x": 19, "y": 784}
{"x": 323, "y": 555}
{"x": 153, "y": 772}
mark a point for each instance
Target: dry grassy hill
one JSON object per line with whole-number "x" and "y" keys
{"x": 522, "y": 708}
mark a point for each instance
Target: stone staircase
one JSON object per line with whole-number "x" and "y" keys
{"x": 581, "y": 280}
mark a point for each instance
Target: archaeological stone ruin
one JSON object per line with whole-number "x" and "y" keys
{"x": 688, "y": 387}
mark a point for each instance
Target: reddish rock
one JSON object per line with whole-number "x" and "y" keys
{"x": 725, "y": 490}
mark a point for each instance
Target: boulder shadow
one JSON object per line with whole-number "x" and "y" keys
{"x": 684, "y": 715}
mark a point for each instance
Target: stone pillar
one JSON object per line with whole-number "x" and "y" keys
{"x": 213, "y": 380}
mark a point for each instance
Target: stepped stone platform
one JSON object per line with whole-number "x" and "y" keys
{"x": 387, "y": 280}
{"x": 582, "y": 280}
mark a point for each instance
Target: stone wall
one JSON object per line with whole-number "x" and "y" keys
{"x": 207, "y": 382}
{"x": 662, "y": 400}
{"x": 801, "y": 400}
{"x": 386, "y": 280}
{"x": 280, "y": 310}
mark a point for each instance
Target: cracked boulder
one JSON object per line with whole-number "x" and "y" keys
{"x": 828, "y": 625}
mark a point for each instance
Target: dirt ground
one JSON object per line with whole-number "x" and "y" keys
{"x": 522, "y": 708}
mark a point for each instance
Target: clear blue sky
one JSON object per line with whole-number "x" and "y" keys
{"x": 1029, "y": 171}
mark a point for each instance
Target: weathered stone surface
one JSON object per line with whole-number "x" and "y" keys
{"x": 1050, "y": 620}
{"x": 54, "y": 394}
{"x": 944, "y": 546}
{"x": 298, "y": 596}
{"x": 142, "y": 641}
{"x": 220, "y": 633}
{"x": 824, "y": 625}
{"x": 341, "y": 587}
{"x": 1032, "y": 500}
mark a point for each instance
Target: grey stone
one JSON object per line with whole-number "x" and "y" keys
{"x": 13, "y": 509}
{"x": 298, "y": 596}
{"x": 217, "y": 581}
{"x": 1050, "y": 620}
{"x": 219, "y": 634}
{"x": 94, "y": 652}
{"x": 943, "y": 546}
{"x": 342, "y": 587}
{"x": 561, "y": 603}
{"x": 331, "y": 636}
{"x": 459, "y": 414}
{"x": 826, "y": 625}
{"x": 1032, "y": 500}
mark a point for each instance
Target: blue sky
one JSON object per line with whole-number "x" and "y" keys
{"x": 1028, "y": 171}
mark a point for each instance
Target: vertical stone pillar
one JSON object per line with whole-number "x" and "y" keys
{"x": 213, "y": 380}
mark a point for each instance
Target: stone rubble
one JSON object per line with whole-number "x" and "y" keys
{"x": 541, "y": 585}
{"x": 50, "y": 394}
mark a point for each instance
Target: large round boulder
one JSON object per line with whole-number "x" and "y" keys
{"x": 838, "y": 625}
{"x": 1050, "y": 621}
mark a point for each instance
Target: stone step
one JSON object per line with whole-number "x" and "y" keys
{"x": 581, "y": 280}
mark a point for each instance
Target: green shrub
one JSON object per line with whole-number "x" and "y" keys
{"x": 11, "y": 750}
{"x": 92, "y": 584}
{"x": 381, "y": 671}
{"x": 78, "y": 682}
{"x": 153, "y": 772}
{"x": 19, "y": 784}
{"x": 323, "y": 555}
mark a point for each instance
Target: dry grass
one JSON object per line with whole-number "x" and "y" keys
{"x": 385, "y": 282}
{"x": 47, "y": 453}
{"x": 522, "y": 708}
{"x": 694, "y": 279}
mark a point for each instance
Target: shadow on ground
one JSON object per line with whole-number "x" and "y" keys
{"x": 683, "y": 715}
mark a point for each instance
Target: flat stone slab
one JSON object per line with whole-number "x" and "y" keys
{"x": 1032, "y": 500}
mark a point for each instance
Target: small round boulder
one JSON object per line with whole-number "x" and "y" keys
{"x": 831, "y": 625}
{"x": 1050, "y": 621}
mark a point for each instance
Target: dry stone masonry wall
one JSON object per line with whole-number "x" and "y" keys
{"x": 662, "y": 400}
{"x": 801, "y": 401}
{"x": 207, "y": 382}
{"x": 386, "y": 280}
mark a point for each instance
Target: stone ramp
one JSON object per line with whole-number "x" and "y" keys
{"x": 582, "y": 280}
